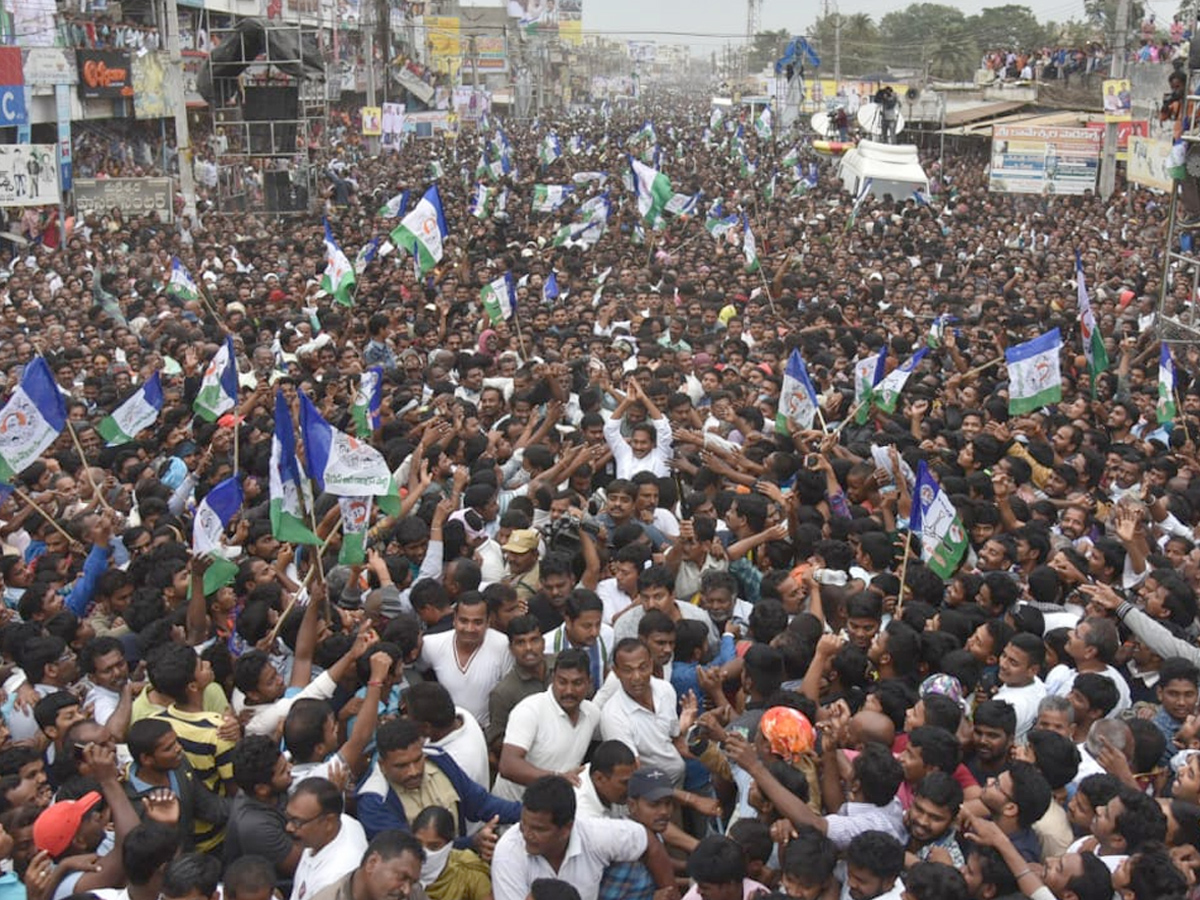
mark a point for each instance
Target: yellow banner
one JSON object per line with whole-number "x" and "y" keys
{"x": 445, "y": 46}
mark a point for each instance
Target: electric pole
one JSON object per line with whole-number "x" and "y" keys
{"x": 1108, "y": 164}
{"x": 183, "y": 139}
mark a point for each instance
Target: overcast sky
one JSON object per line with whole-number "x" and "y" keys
{"x": 728, "y": 17}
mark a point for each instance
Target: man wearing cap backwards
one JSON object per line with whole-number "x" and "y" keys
{"x": 521, "y": 554}
{"x": 651, "y": 803}
{"x": 72, "y": 827}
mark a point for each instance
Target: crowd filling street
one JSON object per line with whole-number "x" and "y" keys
{"x": 723, "y": 547}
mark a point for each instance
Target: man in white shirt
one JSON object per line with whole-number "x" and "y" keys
{"x": 549, "y": 733}
{"x": 642, "y": 713}
{"x": 450, "y": 728}
{"x": 648, "y": 447}
{"x": 552, "y": 843}
{"x": 470, "y": 660}
{"x": 1020, "y": 661}
{"x": 604, "y": 782}
{"x": 333, "y": 842}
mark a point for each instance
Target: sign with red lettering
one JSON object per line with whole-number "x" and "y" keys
{"x": 104, "y": 74}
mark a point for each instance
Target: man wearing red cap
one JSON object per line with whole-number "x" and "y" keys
{"x": 72, "y": 827}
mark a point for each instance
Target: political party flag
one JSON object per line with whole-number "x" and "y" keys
{"x": 714, "y": 117}
{"x": 1094, "y": 350}
{"x": 395, "y": 207}
{"x": 356, "y": 516}
{"x": 647, "y": 133}
{"x": 653, "y": 190}
{"x": 340, "y": 464}
{"x": 550, "y": 288}
{"x": 480, "y": 200}
{"x": 549, "y": 197}
{"x": 31, "y": 420}
{"x": 797, "y": 396}
{"x": 748, "y": 168}
{"x": 937, "y": 330}
{"x": 423, "y": 231}
{"x": 339, "y": 274}
{"x": 864, "y": 191}
{"x": 1034, "y": 377}
{"x": 1166, "y": 408}
{"x": 749, "y": 247}
{"x": 769, "y": 190}
{"x": 589, "y": 177}
{"x": 499, "y": 298}
{"x": 435, "y": 170}
{"x": 868, "y": 372}
{"x": 893, "y": 383}
{"x": 920, "y": 197}
{"x": 762, "y": 124}
{"x": 137, "y": 413}
{"x": 366, "y": 254}
{"x": 182, "y": 284}
{"x": 367, "y": 402}
{"x": 213, "y": 514}
{"x": 550, "y": 150}
{"x": 682, "y": 204}
{"x": 219, "y": 386}
{"x": 719, "y": 227}
{"x": 791, "y": 158}
{"x": 286, "y": 481}
{"x": 937, "y": 525}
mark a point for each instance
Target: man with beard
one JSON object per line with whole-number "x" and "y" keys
{"x": 930, "y": 821}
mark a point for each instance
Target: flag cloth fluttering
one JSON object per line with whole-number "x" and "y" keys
{"x": 136, "y": 414}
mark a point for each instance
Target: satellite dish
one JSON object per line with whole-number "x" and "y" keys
{"x": 820, "y": 123}
{"x": 870, "y": 120}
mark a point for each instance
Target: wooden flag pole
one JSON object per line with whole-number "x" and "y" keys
{"x": 903, "y": 571}
{"x": 987, "y": 365}
{"x": 45, "y": 515}
{"x": 87, "y": 468}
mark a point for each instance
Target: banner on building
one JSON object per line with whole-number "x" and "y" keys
{"x": 445, "y": 47}
{"x": 491, "y": 53}
{"x": 104, "y": 74}
{"x": 44, "y": 67}
{"x": 415, "y": 79}
{"x": 570, "y": 22}
{"x": 1149, "y": 163}
{"x": 135, "y": 196}
{"x": 1032, "y": 160}
{"x": 28, "y": 175}
{"x": 1125, "y": 130}
{"x": 150, "y": 86}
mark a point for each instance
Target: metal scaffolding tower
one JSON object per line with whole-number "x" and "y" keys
{"x": 270, "y": 110}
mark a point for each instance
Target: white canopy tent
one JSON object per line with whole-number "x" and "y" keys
{"x": 891, "y": 168}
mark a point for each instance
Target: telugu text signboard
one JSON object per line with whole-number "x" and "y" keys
{"x": 1032, "y": 160}
{"x": 134, "y": 196}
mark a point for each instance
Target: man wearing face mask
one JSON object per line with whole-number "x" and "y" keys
{"x": 333, "y": 842}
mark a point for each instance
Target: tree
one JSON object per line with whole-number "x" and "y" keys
{"x": 930, "y": 34}
{"x": 861, "y": 49}
{"x": 768, "y": 47}
{"x": 1008, "y": 27}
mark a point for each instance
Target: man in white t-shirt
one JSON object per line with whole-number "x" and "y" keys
{"x": 1020, "y": 661}
{"x": 471, "y": 659}
{"x": 450, "y": 728}
{"x": 333, "y": 842}
{"x": 549, "y": 733}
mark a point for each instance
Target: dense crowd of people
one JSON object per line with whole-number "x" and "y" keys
{"x": 632, "y": 633}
